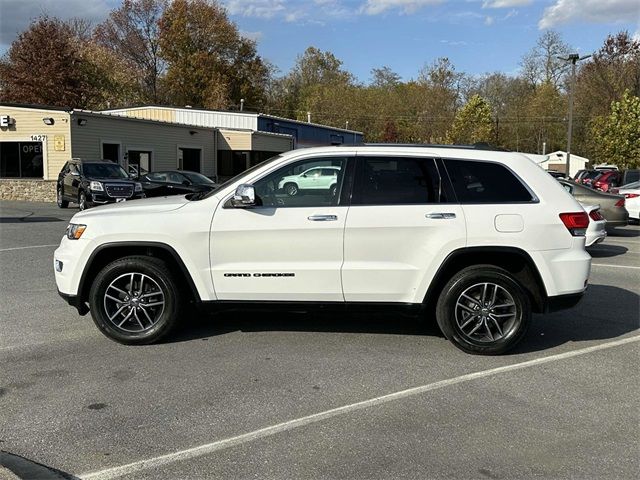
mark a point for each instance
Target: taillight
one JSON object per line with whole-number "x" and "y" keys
{"x": 576, "y": 222}
{"x": 631, "y": 195}
{"x": 596, "y": 215}
{"x": 620, "y": 203}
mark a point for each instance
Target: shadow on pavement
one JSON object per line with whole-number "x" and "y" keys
{"x": 604, "y": 313}
{"x": 624, "y": 232}
{"x": 24, "y": 468}
{"x": 608, "y": 250}
{"x": 30, "y": 219}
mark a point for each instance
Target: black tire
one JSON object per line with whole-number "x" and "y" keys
{"x": 166, "y": 319}
{"x": 333, "y": 189}
{"x": 498, "y": 327}
{"x": 82, "y": 201}
{"x": 62, "y": 203}
{"x": 291, "y": 189}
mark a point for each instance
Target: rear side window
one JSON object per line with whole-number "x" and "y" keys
{"x": 396, "y": 181}
{"x": 485, "y": 182}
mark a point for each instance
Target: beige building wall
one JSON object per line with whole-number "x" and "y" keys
{"x": 29, "y": 127}
{"x": 234, "y": 140}
{"x": 161, "y": 139}
{"x": 151, "y": 113}
{"x": 264, "y": 142}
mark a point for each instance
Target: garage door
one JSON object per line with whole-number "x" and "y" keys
{"x": 21, "y": 160}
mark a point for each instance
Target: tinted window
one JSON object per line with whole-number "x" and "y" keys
{"x": 300, "y": 184}
{"x": 632, "y": 176}
{"x": 396, "y": 181}
{"x": 485, "y": 182}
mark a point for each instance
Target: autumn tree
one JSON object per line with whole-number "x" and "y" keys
{"x": 384, "y": 77}
{"x": 473, "y": 123}
{"x": 131, "y": 33}
{"x": 46, "y": 65}
{"x": 616, "y": 137}
{"x": 209, "y": 64}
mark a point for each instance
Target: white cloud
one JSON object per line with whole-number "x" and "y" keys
{"x": 375, "y": 7}
{"x": 505, "y": 3}
{"x": 489, "y": 20}
{"x": 256, "y": 8}
{"x": 255, "y": 36}
{"x": 454, "y": 43}
{"x": 16, "y": 15}
{"x": 593, "y": 11}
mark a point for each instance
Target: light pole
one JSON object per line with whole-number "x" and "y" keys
{"x": 573, "y": 58}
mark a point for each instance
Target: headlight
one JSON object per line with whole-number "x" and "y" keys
{"x": 75, "y": 231}
{"x": 97, "y": 186}
{"x": 138, "y": 187}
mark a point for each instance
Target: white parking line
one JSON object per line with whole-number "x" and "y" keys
{"x": 613, "y": 266}
{"x": 208, "y": 448}
{"x": 24, "y": 248}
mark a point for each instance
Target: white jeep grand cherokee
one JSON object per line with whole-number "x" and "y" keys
{"x": 480, "y": 239}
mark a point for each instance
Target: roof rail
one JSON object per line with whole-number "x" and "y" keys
{"x": 475, "y": 146}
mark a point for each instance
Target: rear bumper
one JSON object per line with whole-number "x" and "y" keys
{"x": 74, "y": 301}
{"x": 562, "y": 302}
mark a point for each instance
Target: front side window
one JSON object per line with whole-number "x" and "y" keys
{"x": 485, "y": 182}
{"x": 301, "y": 184}
{"x": 396, "y": 181}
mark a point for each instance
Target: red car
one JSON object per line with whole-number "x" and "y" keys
{"x": 607, "y": 180}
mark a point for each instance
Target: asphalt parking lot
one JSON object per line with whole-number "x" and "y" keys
{"x": 306, "y": 395}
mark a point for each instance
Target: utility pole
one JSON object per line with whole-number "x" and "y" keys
{"x": 573, "y": 58}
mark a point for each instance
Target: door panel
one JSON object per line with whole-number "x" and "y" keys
{"x": 397, "y": 232}
{"x": 277, "y": 254}
{"x": 392, "y": 252}
{"x": 289, "y": 247}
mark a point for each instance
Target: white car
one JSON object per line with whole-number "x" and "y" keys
{"x": 316, "y": 178}
{"x": 596, "y": 231}
{"x": 631, "y": 193}
{"x": 478, "y": 239}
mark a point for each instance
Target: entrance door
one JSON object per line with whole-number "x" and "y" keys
{"x": 189, "y": 159}
{"x": 288, "y": 249}
{"x": 140, "y": 159}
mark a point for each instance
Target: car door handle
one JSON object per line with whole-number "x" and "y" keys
{"x": 440, "y": 215}
{"x": 323, "y": 218}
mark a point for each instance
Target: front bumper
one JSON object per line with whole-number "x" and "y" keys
{"x": 562, "y": 302}
{"x": 101, "y": 198}
{"x": 74, "y": 301}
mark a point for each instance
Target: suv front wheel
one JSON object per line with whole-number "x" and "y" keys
{"x": 483, "y": 310}
{"x": 62, "y": 203}
{"x": 135, "y": 300}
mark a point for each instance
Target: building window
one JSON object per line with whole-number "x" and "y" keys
{"x": 111, "y": 151}
{"x": 21, "y": 160}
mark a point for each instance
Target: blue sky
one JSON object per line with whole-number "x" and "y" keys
{"x": 478, "y": 36}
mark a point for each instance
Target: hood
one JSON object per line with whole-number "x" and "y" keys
{"x": 141, "y": 206}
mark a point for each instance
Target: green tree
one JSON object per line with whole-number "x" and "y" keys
{"x": 616, "y": 138}
{"x": 473, "y": 123}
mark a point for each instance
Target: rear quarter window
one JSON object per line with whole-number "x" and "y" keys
{"x": 485, "y": 182}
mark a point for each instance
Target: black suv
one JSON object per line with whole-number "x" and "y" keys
{"x": 95, "y": 182}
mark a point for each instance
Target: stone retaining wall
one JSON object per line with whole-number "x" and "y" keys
{"x": 29, "y": 190}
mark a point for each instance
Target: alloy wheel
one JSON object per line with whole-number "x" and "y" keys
{"x": 486, "y": 312}
{"x": 134, "y": 302}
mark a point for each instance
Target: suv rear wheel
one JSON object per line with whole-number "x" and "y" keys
{"x": 483, "y": 310}
{"x": 135, "y": 300}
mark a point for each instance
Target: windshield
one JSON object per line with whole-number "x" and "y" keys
{"x": 236, "y": 178}
{"x": 198, "y": 178}
{"x": 103, "y": 170}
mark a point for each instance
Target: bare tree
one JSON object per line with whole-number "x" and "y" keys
{"x": 132, "y": 32}
{"x": 541, "y": 64}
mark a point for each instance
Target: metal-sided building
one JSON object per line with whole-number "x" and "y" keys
{"x": 267, "y": 133}
{"x": 36, "y": 141}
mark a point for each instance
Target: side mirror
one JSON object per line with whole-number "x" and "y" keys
{"x": 244, "y": 196}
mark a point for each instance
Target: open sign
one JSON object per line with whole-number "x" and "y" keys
{"x": 31, "y": 148}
